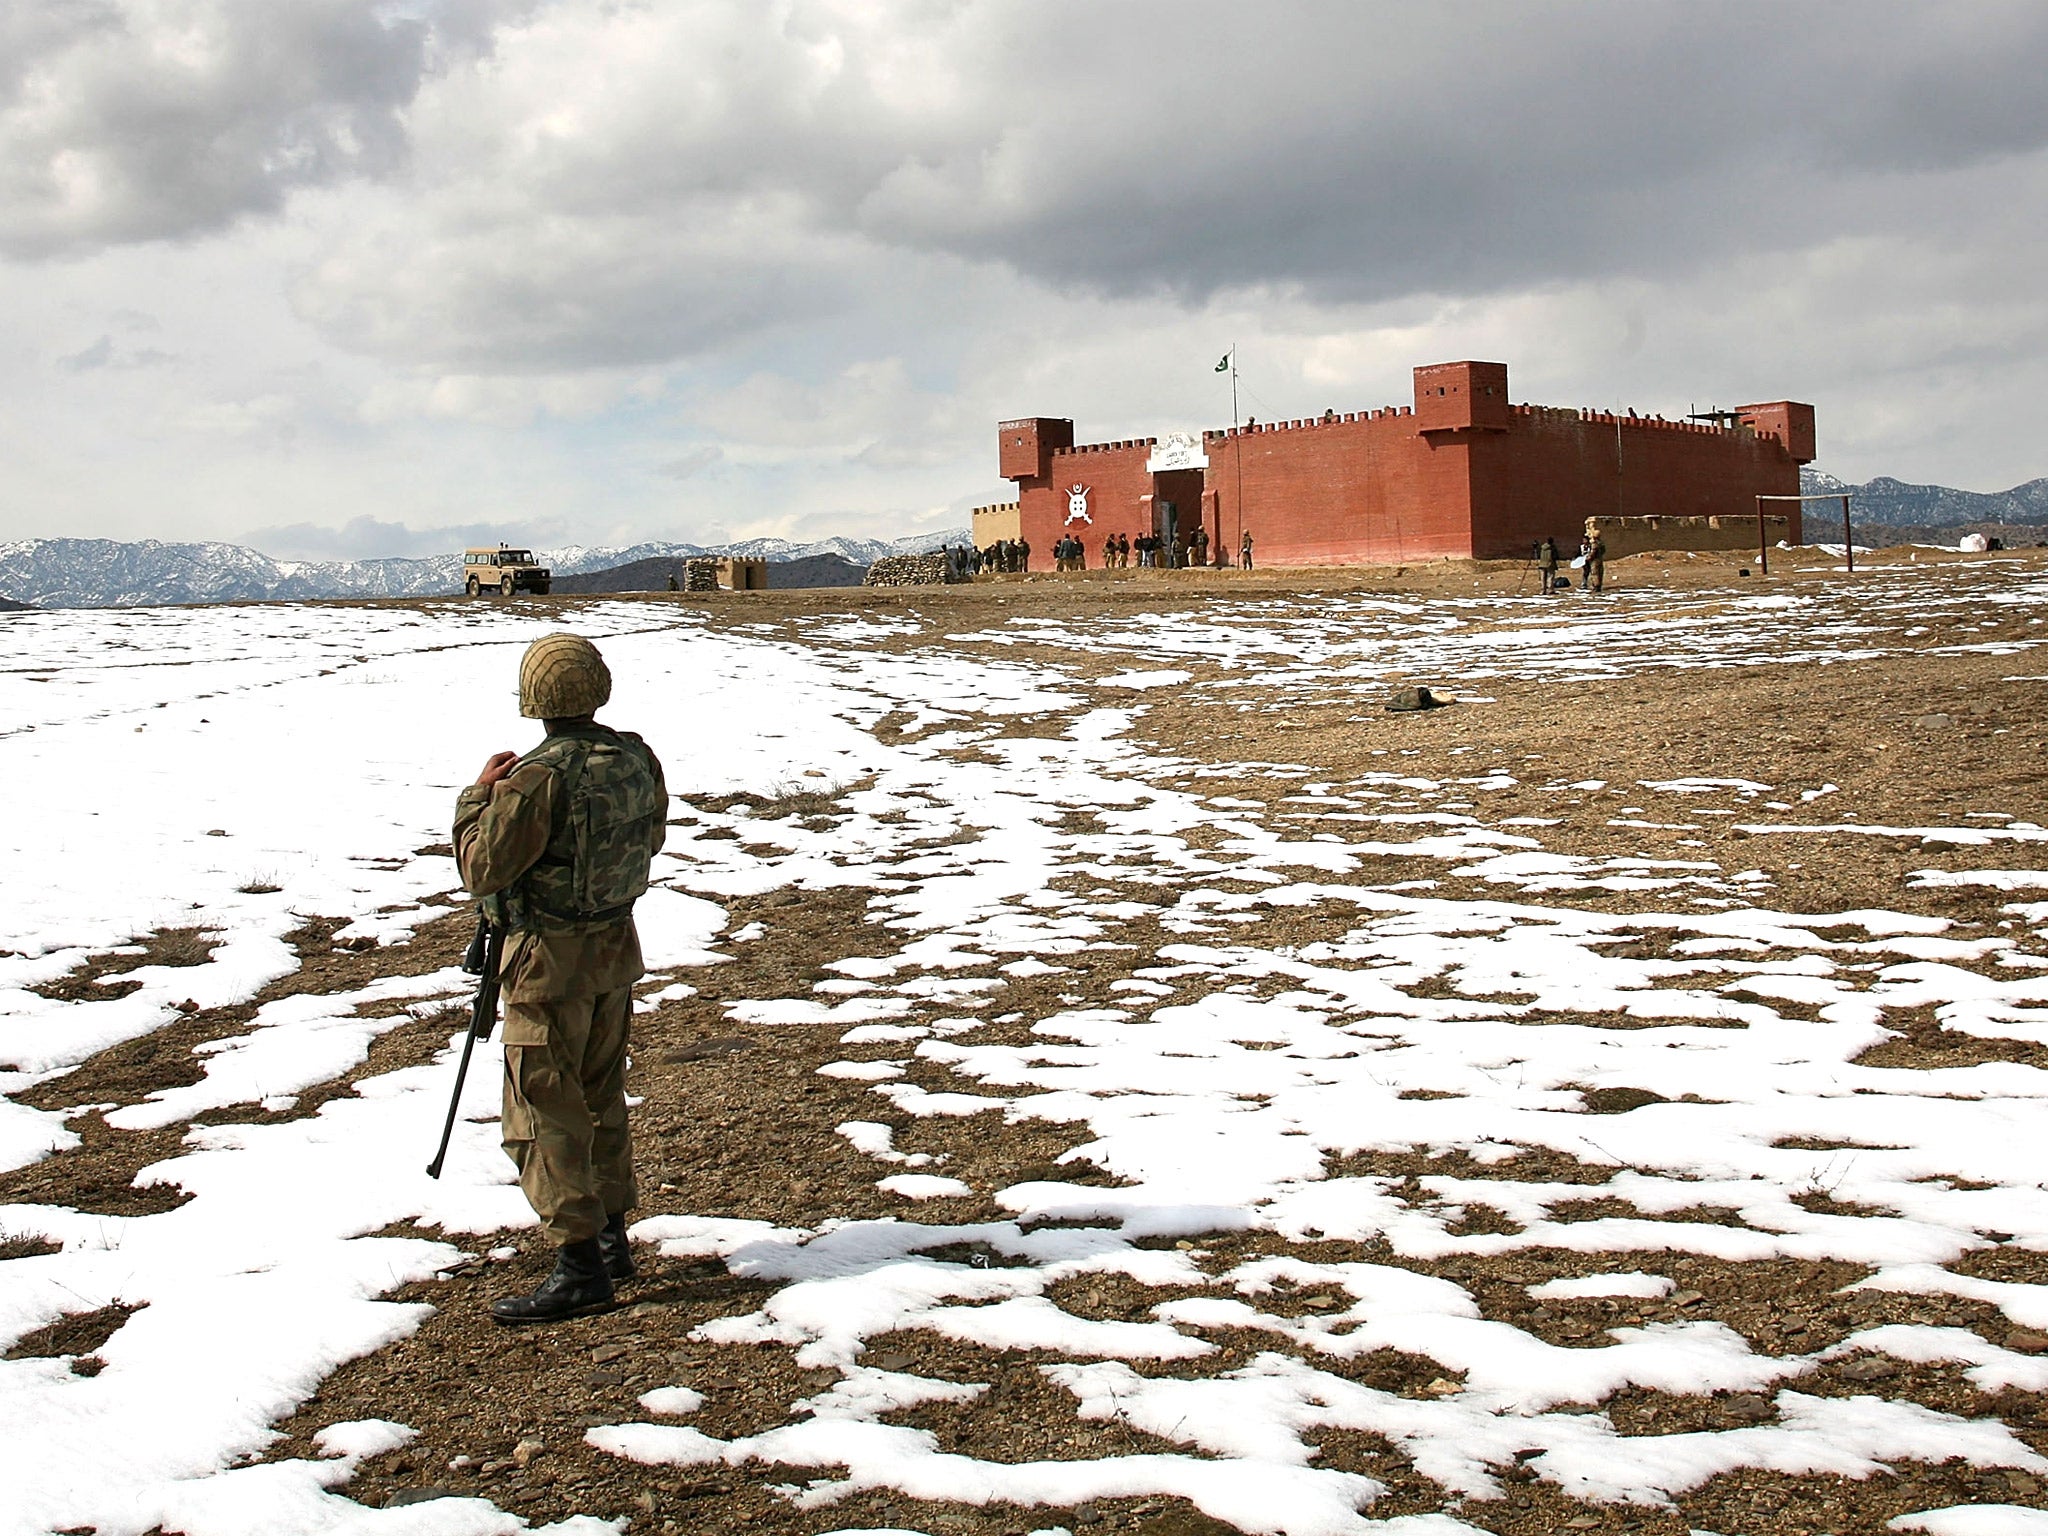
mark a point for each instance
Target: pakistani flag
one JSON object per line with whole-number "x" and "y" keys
{"x": 1223, "y": 363}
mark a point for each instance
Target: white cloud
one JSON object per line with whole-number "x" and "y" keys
{"x": 124, "y": 120}
{"x": 653, "y": 268}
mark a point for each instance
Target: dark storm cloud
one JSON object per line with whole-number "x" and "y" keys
{"x": 1367, "y": 153}
{"x": 121, "y": 122}
{"x": 632, "y": 186}
{"x": 583, "y": 185}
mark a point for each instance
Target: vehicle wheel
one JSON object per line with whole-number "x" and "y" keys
{"x": 505, "y": 586}
{"x": 472, "y": 588}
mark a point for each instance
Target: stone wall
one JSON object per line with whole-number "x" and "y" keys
{"x": 909, "y": 571}
{"x": 1634, "y": 535}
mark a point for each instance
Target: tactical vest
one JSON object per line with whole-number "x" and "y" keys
{"x": 608, "y": 805}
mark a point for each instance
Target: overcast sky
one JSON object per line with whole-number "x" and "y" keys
{"x": 345, "y": 279}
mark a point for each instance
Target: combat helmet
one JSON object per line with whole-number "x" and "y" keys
{"x": 562, "y": 676}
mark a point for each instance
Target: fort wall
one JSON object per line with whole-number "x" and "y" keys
{"x": 1554, "y": 469}
{"x": 995, "y": 523}
{"x": 1461, "y": 473}
{"x": 1360, "y": 486}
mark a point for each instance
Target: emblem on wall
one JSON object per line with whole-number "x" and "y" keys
{"x": 1077, "y": 505}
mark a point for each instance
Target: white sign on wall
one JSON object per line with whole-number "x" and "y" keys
{"x": 1177, "y": 450}
{"x": 1077, "y": 505}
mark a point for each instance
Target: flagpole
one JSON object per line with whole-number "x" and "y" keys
{"x": 1237, "y": 441}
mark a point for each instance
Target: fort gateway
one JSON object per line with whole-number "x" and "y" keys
{"x": 1461, "y": 473}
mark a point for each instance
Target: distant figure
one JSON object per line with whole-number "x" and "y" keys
{"x": 1329, "y": 416}
{"x": 673, "y": 584}
{"x": 1023, "y": 547}
{"x": 1596, "y": 562}
{"x": 1123, "y": 551}
{"x": 1198, "y": 547}
{"x": 1546, "y": 563}
{"x": 1244, "y": 551}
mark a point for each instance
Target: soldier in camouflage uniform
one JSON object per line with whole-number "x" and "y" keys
{"x": 558, "y": 844}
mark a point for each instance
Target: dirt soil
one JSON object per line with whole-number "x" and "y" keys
{"x": 740, "y": 1123}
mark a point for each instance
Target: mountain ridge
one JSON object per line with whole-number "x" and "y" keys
{"x": 1888, "y": 503}
{"x": 112, "y": 573}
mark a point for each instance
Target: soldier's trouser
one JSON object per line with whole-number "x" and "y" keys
{"x": 564, "y": 1118}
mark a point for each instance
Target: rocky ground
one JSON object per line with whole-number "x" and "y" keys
{"x": 1929, "y": 723}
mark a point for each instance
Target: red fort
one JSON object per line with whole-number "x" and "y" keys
{"x": 1459, "y": 474}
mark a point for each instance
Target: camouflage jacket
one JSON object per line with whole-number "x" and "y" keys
{"x": 516, "y": 845}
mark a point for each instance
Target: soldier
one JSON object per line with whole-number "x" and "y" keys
{"x": 1546, "y": 563}
{"x": 1596, "y": 561}
{"x": 1244, "y": 551}
{"x": 558, "y": 844}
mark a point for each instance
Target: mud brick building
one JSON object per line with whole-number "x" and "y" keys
{"x": 1460, "y": 473}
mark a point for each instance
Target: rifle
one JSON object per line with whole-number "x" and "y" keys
{"x": 486, "y": 949}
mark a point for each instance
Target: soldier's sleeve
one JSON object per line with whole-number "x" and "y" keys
{"x": 661, "y": 785}
{"x": 500, "y": 831}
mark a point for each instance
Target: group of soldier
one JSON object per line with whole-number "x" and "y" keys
{"x": 1592, "y": 562}
{"x": 1119, "y": 552}
{"x": 1005, "y": 557}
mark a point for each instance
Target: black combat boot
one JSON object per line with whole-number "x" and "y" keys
{"x": 578, "y": 1285}
{"x": 617, "y": 1250}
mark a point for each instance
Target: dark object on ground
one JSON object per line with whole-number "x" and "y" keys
{"x": 1409, "y": 700}
{"x": 9, "y": 605}
{"x": 579, "y": 1285}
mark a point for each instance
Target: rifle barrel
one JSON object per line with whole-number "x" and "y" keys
{"x": 483, "y": 1017}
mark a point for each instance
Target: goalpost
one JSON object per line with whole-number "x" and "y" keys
{"x": 1763, "y": 553}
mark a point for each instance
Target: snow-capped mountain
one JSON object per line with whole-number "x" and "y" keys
{"x": 1890, "y": 503}
{"x": 106, "y": 573}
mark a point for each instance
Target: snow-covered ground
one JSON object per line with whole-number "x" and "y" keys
{"x": 239, "y": 768}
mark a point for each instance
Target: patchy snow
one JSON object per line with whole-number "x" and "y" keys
{"x": 1483, "y": 1009}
